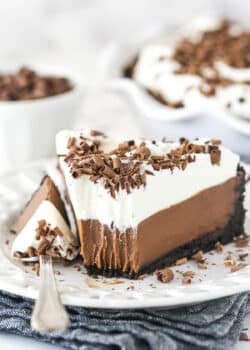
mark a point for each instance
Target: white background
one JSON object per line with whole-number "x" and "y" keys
{"x": 76, "y": 34}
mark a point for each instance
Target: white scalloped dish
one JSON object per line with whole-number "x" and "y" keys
{"x": 77, "y": 288}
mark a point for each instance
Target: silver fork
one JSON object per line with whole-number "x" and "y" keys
{"x": 49, "y": 314}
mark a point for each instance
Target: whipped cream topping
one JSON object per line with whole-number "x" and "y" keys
{"x": 156, "y": 68}
{"x": 201, "y": 24}
{"x": 66, "y": 243}
{"x": 163, "y": 189}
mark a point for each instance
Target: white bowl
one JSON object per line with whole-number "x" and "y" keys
{"x": 28, "y": 128}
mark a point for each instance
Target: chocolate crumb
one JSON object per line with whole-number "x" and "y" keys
{"x": 67, "y": 263}
{"x": 141, "y": 277}
{"x": 229, "y": 263}
{"x": 243, "y": 256}
{"x": 165, "y": 275}
{"x": 229, "y": 256}
{"x": 198, "y": 256}
{"x": 42, "y": 246}
{"x": 71, "y": 142}
{"x": 215, "y": 142}
{"x": 215, "y": 155}
{"x": 20, "y": 255}
{"x": 181, "y": 261}
{"x": 242, "y": 242}
{"x": 201, "y": 266}
{"x": 244, "y": 336}
{"x": 218, "y": 247}
{"x": 130, "y": 287}
{"x": 186, "y": 280}
{"x": 36, "y": 268}
{"x": 189, "y": 274}
{"x": 96, "y": 133}
{"x": 238, "y": 267}
{"x": 58, "y": 232}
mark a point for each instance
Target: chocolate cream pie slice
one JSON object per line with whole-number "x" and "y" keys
{"x": 141, "y": 205}
{"x": 43, "y": 228}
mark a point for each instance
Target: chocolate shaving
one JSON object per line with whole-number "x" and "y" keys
{"x": 215, "y": 155}
{"x": 45, "y": 235}
{"x": 122, "y": 167}
{"x": 26, "y": 84}
{"x": 31, "y": 252}
{"x": 71, "y": 142}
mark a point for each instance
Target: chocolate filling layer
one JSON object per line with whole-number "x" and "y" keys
{"x": 47, "y": 191}
{"x": 196, "y": 223}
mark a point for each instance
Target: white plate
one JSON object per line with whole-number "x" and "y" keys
{"x": 77, "y": 288}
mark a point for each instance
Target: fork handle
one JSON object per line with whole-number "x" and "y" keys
{"x": 49, "y": 314}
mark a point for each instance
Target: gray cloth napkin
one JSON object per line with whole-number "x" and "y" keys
{"x": 211, "y": 325}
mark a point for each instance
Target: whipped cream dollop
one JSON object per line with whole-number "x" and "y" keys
{"x": 66, "y": 244}
{"x": 163, "y": 189}
{"x": 156, "y": 68}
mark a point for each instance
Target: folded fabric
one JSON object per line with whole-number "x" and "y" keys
{"x": 212, "y": 325}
